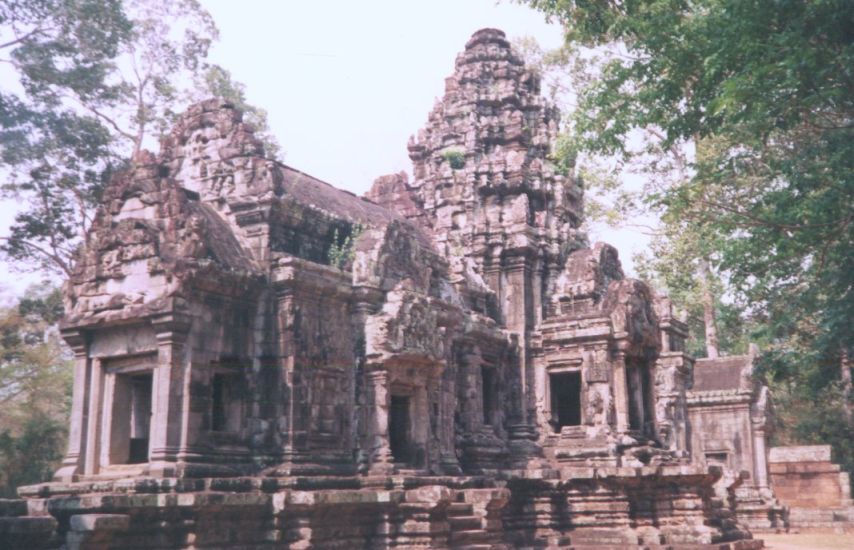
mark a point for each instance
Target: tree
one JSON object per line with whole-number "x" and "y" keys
{"x": 98, "y": 80}
{"x": 51, "y": 153}
{"x": 35, "y": 389}
{"x": 681, "y": 258}
{"x": 765, "y": 87}
{"x": 679, "y": 262}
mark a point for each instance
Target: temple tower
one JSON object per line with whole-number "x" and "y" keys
{"x": 487, "y": 191}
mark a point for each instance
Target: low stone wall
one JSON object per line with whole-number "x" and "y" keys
{"x": 584, "y": 509}
{"x": 817, "y": 491}
{"x": 806, "y": 477}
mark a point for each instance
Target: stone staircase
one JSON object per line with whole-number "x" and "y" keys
{"x": 470, "y": 526}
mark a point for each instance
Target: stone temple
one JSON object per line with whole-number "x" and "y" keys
{"x": 266, "y": 361}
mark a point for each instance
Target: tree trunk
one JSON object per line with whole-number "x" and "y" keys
{"x": 709, "y": 311}
{"x": 845, "y": 365}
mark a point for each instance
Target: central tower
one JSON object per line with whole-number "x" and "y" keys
{"x": 486, "y": 190}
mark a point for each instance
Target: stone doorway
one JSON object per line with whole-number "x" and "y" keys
{"x": 226, "y": 403}
{"x": 399, "y": 432}
{"x": 565, "y": 399}
{"x": 131, "y": 424}
{"x": 489, "y": 394}
{"x": 639, "y": 385}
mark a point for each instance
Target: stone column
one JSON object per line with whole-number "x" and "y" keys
{"x": 287, "y": 353}
{"x": 72, "y": 464}
{"x": 169, "y": 400}
{"x": 95, "y": 415}
{"x": 362, "y": 307}
{"x": 759, "y": 422}
{"x": 621, "y": 393}
{"x": 515, "y": 301}
{"x": 760, "y": 458}
{"x": 382, "y": 461}
{"x": 447, "y": 400}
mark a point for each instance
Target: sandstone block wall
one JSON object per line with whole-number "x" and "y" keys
{"x": 806, "y": 477}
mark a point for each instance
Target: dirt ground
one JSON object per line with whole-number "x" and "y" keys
{"x": 808, "y": 541}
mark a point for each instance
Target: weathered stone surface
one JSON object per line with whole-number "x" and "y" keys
{"x": 817, "y": 491}
{"x": 804, "y": 453}
{"x": 730, "y": 413}
{"x": 265, "y": 361}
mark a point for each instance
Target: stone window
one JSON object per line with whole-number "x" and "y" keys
{"x": 718, "y": 459}
{"x": 489, "y": 396}
{"x": 565, "y": 399}
{"x": 131, "y": 418}
{"x": 225, "y": 402}
{"x": 399, "y": 430}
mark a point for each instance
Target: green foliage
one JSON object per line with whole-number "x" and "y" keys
{"x": 35, "y": 389}
{"x": 764, "y": 92}
{"x": 564, "y": 154}
{"x": 455, "y": 158}
{"x": 51, "y": 151}
{"x": 30, "y": 456}
{"x": 342, "y": 250}
{"x": 94, "y": 82}
{"x": 563, "y": 73}
{"x": 672, "y": 263}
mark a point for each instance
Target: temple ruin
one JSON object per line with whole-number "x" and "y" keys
{"x": 266, "y": 361}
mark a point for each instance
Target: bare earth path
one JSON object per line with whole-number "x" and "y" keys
{"x": 808, "y": 541}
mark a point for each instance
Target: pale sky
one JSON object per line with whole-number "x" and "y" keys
{"x": 346, "y": 83}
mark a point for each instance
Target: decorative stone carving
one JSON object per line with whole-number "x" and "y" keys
{"x": 442, "y": 364}
{"x": 407, "y": 329}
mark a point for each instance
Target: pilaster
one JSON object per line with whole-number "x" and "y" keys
{"x": 170, "y": 397}
{"x": 72, "y": 463}
{"x": 381, "y": 459}
{"x": 621, "y": 393}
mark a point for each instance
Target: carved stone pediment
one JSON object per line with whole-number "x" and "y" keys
{"x": 586, "y": 276}
{"x": 631, "y": 306}
{"x": 406, "y": 329}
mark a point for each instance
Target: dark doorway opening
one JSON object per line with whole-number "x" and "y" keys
{"x": 640, "y": 398}
{"x": 487, "y": 375}
{"x": 717, "y": 459}
{"x": 218, "y": 403}
{"x": 140, "y": 418}
{"x": 566, "y": 399}
{"x": 398, "y": 429}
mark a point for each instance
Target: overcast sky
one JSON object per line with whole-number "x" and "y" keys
{"x": 346, "y": 83}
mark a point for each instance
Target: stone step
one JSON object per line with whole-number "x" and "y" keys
{"x": 753, "y": 545}
{"x": 464, "y": 523}
{"x": 460, "y": 509}
{"x": 26, "y": 531}
{"x": 473, "y": 536}
{"x": 12, "y": 508}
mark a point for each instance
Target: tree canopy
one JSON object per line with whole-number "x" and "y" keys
{"x": 90, "y": 83}
{"x": 35, "y": 389}
{"x": 763, "y": 93}
{"x": 84, "y": 86}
